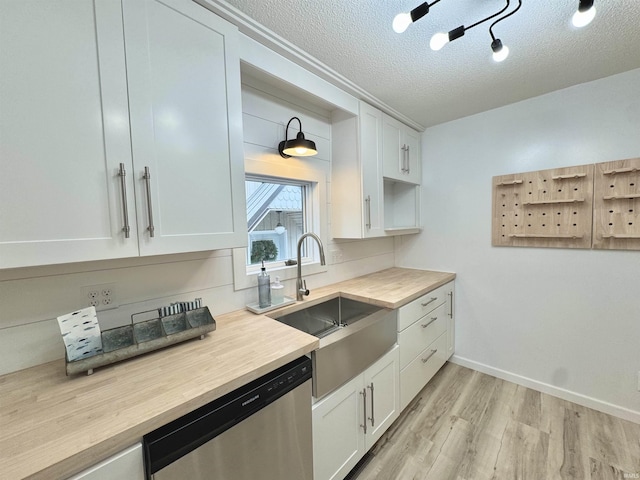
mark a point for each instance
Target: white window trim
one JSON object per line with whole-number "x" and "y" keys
{"x": 274, "y": 168}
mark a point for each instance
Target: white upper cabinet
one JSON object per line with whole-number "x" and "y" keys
{"x": 186, "y": 127}
{"x": 356, "y": 175}
{"x": 64, "y": 130}
{"x": 69, "y": 101}
{"x": 401, "y": 157}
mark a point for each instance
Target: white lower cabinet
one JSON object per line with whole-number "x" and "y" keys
{"x": 426, "y": 332}
{"x": 127, "y": 464}
{"x": 349, "y": 421}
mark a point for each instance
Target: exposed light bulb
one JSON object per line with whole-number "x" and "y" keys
{"x": 401, "y": 22}
{"x": 439, "y": 40}
{"x": 300, "y": 150}
{"x": 501, "y": 54}
{"x": 582, "y": 19}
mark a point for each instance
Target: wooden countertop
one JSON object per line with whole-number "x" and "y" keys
{"x": 52, "y": 426}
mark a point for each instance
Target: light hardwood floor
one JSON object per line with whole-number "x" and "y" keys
{"x": 466, "y": 425}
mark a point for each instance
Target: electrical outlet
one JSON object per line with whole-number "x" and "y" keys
{"x": 103, "y": 297}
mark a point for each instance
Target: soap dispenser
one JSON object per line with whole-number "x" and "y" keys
{"x": 277, "y": 292}
{"x": 264, "y": 288}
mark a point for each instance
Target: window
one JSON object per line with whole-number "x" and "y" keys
{"x": 307, "y": 182}
{"x": 276, "y": 217}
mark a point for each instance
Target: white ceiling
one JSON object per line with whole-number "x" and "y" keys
{"x": 355, "y": 38}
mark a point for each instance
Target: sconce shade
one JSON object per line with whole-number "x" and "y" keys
{"x": 298, "y": 147}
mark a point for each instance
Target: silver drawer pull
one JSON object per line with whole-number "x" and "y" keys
{"x": 373, "y": 422}
{"x": 433, "y": 352}
{"x": 364, "y": 403}
{"x": 147, "y": 176}
{"x": 433, "y": 299}
{"x": 433, "y": 319}
{"x": 125, "y": 209}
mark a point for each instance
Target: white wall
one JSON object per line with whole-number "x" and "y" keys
{"x": 31, "y": 298}
{"x": 563, "y": 321}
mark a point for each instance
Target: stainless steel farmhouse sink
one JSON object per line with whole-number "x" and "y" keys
{"x": 352, "y": 336}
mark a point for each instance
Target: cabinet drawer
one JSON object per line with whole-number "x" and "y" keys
{"x": 412, "y": 311}
{"x": 420, "y": 334}
{"x": 416, "y": 375}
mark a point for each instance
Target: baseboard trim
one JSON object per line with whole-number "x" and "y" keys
{"x": 585, "y": 401}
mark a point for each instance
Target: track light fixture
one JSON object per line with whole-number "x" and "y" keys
{"x": 585, "y": 13}
{"x": 298, "y": 147}
{"x": 440, "y": 39}
{"x": 583, "y": 16}
{"x": 402, "y": 21}
{"x": 500, "y": 51}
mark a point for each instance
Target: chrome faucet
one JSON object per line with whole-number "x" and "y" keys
{"x": 301, "y": 287}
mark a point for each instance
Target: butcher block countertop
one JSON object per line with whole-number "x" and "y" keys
{"x": 53, "y": 426}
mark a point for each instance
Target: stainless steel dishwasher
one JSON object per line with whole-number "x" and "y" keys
{"x": 259, "y": 431}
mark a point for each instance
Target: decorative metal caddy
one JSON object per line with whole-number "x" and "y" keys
{"x": 137, "y": 338}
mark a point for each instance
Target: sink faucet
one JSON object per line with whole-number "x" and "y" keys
{"x": 301, "y": 287}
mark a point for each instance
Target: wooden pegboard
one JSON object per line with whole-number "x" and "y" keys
{"x": 616, "y": 212}
{"x": 547, "y": 208}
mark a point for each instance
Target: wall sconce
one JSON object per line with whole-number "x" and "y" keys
{"x": 298, "y": 147}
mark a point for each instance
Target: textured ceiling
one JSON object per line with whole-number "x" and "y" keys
{"x": 354, "y": 38}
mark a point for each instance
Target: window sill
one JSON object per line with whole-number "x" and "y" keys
{"x": 242, "y": 280}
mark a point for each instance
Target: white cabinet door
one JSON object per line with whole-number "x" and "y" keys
{"x": 401, "y": 151}
{"x": 417, "y": 374}
{"x": 413, "y": 152}
{"x": 64, "y": 130}
{"x": 347, "y": 422}
{"x": 338, "y": 441}
{"x": 357, "y": 209}
{"x": 383, "y": 396}
{"x": 186, "y": 127}
{"x": 127, "y": 464}
{"x": 371, "y": 157}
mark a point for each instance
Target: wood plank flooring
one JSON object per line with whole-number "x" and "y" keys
{"x": 466, "y": 425}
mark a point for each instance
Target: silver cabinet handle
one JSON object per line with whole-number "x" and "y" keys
{"x": 364, "y": 404}
{"x": 147, "y": 177}
{"x": 125, "y": 209}
{"x": 367, "y": 202}
{"x": 408, "y": 153}
{"x": 425, "y": 325}
{"x": 371, "y": 417}
{"x": 433, "y": 299}
{"x": 403, "y": 161}
{"x": 431, "y": 354}
{"x": 450, "y": 303}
